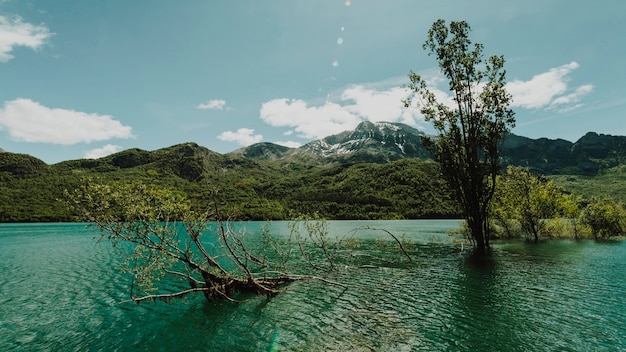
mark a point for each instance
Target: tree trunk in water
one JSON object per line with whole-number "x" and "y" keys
{"x": 486, "y": 236}
{"x": 480, "y": 241}
{"x": 478, "y": 234}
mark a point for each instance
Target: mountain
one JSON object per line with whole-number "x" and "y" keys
{"x": 376, "y": 171}
{"x": 188, "y": 161}
{"x": 21, "y": 165}
{"x": 379, "y": 143}
{"x": 541, "y": 154}
{"x": 272, "y": 188}
{"x": 371, "y": 142}
{"x": 279, "y": 154}
{"x": 588, "y": 155}
{"x": 383, "y": 142}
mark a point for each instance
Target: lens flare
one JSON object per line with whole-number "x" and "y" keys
{"x": 335, "y": 63}
{"x": 339, "y": 41}
{"x": 348, "y": 2}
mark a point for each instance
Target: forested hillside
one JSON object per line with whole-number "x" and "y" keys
{"x": 409, "y": 188}
{"x": 378, "y": 171}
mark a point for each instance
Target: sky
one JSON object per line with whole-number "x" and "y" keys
{"x": 84, "y": 79}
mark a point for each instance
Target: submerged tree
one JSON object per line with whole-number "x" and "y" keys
{"x": 532, "y": 202}
{"x": 472, "y": 127}
{"x": 198, "y": 251}
{"x": 166, "y": 234}
{"x": 605, "y": 218}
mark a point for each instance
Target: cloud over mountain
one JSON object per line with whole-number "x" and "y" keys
{"x": 548, "y": 90}
{"x": 102, "y": 152}
{"x": 355, "y": 104}
{"x": 374, "y": 103}
{"x": 243, "y": 136}
{"x": 29, "y": 121}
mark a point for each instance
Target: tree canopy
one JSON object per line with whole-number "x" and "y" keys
{"x": 472, "y": 128}
{"x": 168, "y": 238}
{"x": 530, "y": 202}
{"x": 197, "y": 249}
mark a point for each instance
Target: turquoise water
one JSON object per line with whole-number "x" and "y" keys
{"x": 60, "y": 290}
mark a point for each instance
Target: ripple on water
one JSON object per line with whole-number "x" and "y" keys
{"x": 63, "y": 292}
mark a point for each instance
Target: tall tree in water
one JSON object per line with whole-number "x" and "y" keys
{"x": 471, "y": 126}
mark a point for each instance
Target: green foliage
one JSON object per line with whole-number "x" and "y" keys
{"x": 605, "y": 218}
{"x": 470, "y": 133}
{"x": 21, "y": 165}
{"x": 406, "y": 188}
{"x": 606, "y": 183}
{"x": 144, "y": 216}
{"x": 529, "y": 203}
{"x": 259, "y": 190}
{"x": 533, "y": 207}
{"x": 169, "y": 238}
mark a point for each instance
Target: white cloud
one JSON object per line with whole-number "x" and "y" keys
{"x": 382, "y": 101}
{"x": 308, "y": 121}
{"x": 29, "y": 121}
{"x": 215, "y": 104}
{"x": 102, "y": 152}
{"x": 289, "y": 144}
{"x": 547, "y": 90}
{"x": 355, "y": 104}
{"x": 380, "y": 105}
{"x": 243, "y": 136}
{"x": 14, "y": 32}
{"x": 572, "y": 98}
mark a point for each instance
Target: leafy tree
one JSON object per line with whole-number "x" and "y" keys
{"x": 530, "y": 201}
{"x": 571, "y": 208}
{"x": 167, "y": 235}
{"x": 472, "y": 129}
{"x": 604, "y": 217}
{"x": 198, "y": 251}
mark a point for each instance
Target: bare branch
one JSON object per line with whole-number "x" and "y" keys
{"x": 392, "y": 236}
{"x": 167, "y": 296}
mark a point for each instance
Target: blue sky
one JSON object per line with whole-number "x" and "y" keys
{"x": 88, "y": 78}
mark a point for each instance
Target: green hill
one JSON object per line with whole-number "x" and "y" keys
{"x": 379, "y": 171}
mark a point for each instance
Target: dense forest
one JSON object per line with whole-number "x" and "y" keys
{"x": 405, "y": 189}
{"x": 263, "y": 188}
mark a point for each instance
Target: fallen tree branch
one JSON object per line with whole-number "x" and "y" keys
{"x": 392, "y": 236}
{"x": 166, "y": 296}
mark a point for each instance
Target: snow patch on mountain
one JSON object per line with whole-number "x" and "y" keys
{"x": 385, "y": 138}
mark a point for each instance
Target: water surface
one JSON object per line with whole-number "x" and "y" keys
{"x": 61, "y": 290}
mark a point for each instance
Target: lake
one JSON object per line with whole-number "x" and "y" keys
{"x": 61, "y": 290}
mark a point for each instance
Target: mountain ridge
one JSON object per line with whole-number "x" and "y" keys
{"x": 384, "y": 142}
{"x": 380, "y": 142}
{"x": 377, "y": 171}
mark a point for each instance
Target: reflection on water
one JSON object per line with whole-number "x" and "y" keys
{"x": 60, "y": 290}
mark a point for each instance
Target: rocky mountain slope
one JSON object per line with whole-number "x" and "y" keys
{"x": 371, "y": 142}
{"x": 384, "y": 142}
